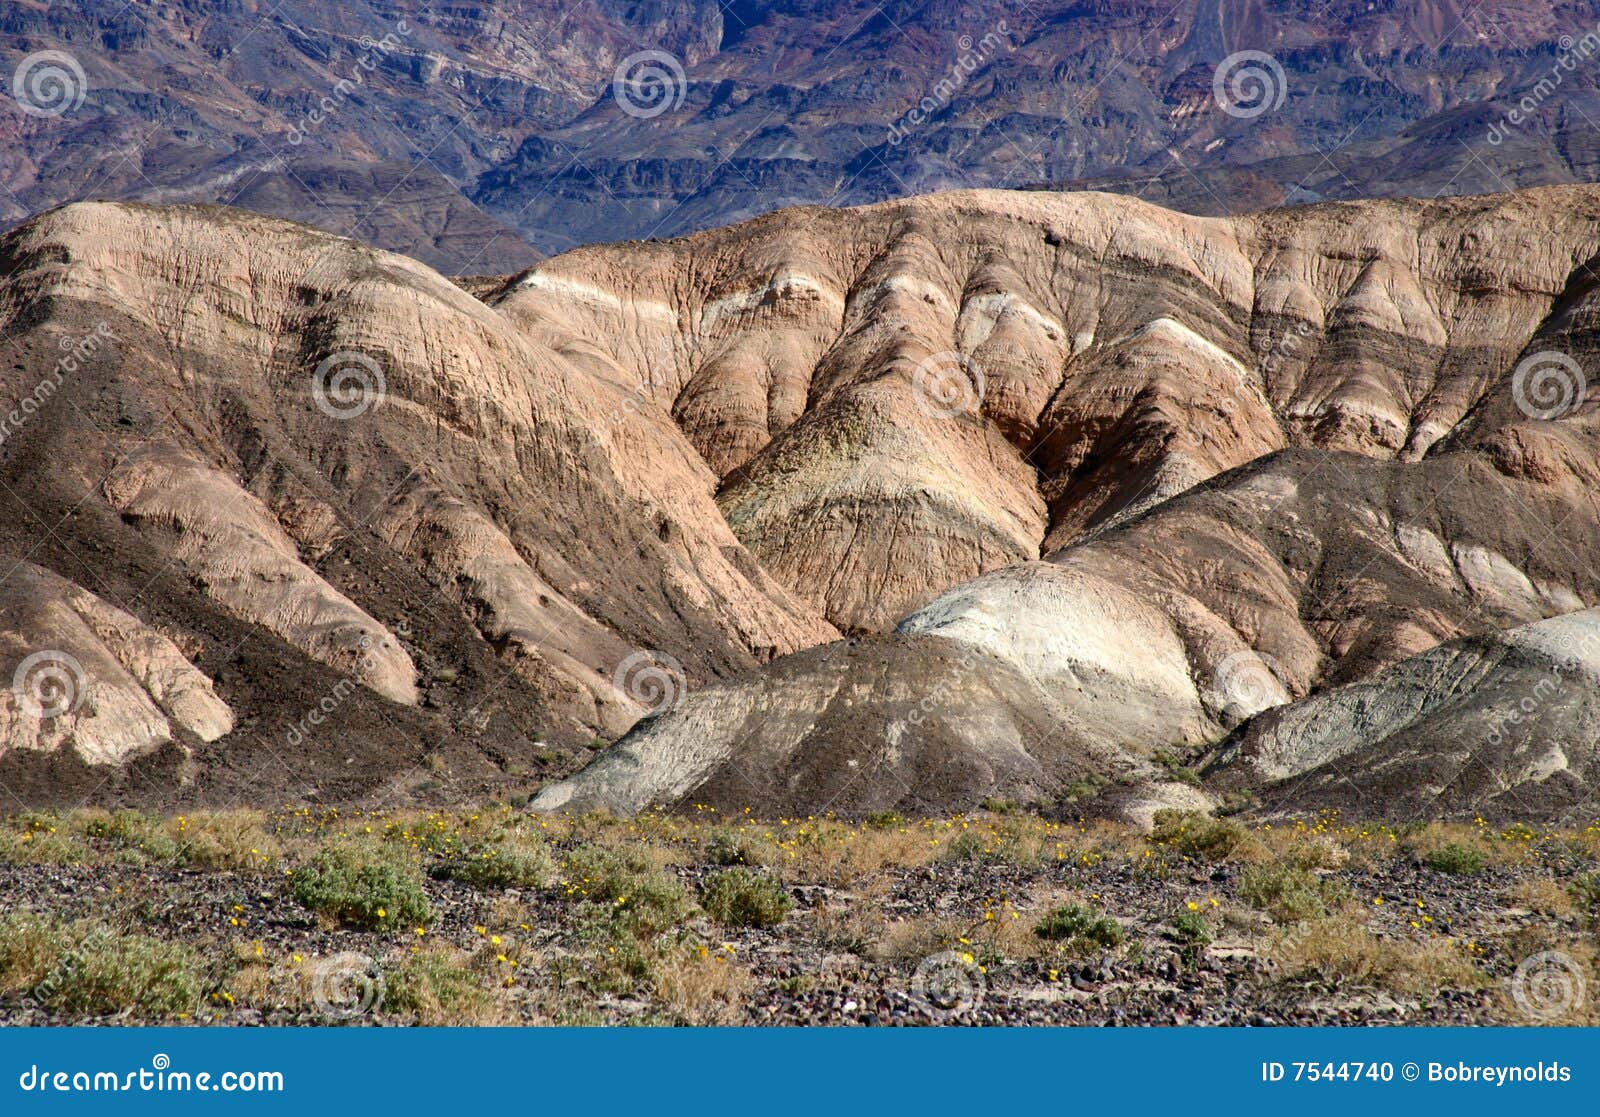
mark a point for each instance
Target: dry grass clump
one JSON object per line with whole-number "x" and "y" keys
{"x": 440, "y": 985}
{"x": 699, "y": 984}
{"x": 909, "y": 940}
{"x": 1541, "y": 895}
{"x": 1552, "y": 983}
{"x": 841, "y": 855}
{"x": 1289, "y": 894}
{"x": 997, "y": 933}
{"x": 90, "y": 970}
{"x": 226, "y": 841}
{"x": 1342, "y": 949}
{"x": 845, "y": 925}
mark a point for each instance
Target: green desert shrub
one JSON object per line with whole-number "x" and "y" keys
{"x": 624, "y": 892}
{"x": 971, "y": 845}
{"x": 362, "y": 887}
{"x": 1079, "y": 924}
{"x": 1456, "y": 858}
{"x": 741, "y": 898}
{"x": 1192, "y": 932}
{"x": 1585, "y": 891}
{"x": 35, "y": 840}
{"x": 729, "y": 847}
{"x": 141, "y": 839}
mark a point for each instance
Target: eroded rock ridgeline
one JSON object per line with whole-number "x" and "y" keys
{"x": 1090, "y": 483}
{"x": 1267, "y": 455}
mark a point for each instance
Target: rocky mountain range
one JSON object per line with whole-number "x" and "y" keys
{"x": 474, "y": 137}
{"x": 1051, "y": 497}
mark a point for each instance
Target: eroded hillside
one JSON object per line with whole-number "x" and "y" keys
{"x": 1087, "y": 482}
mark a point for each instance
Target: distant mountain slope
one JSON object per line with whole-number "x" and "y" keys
{"x": 469, "y": 136}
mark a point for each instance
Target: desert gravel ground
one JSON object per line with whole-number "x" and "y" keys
{"x": 891, "y": 922}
